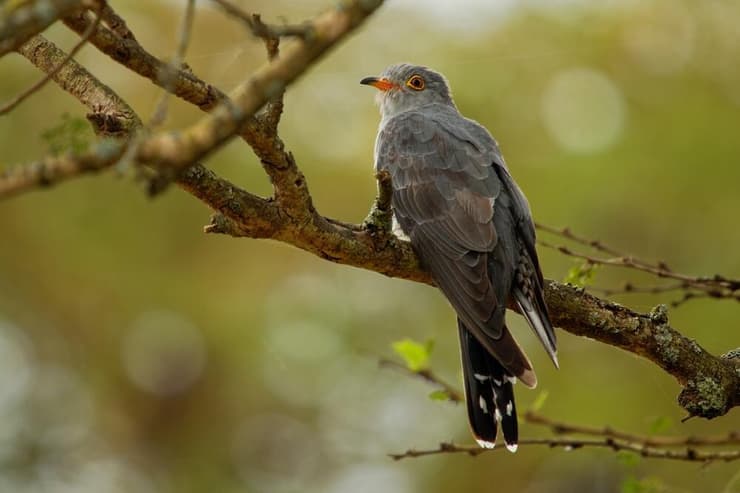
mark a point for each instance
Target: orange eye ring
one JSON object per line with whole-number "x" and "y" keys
{"x": 416, "y": 82}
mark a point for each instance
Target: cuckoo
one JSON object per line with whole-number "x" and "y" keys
{"x": 471, "y": 227}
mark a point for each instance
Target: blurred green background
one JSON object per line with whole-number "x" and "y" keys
{"x": 138, "y": 354}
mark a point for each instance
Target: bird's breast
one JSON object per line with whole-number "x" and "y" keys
{"x": 398, "y": 230}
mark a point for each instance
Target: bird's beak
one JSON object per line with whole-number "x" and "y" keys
{"x": 378, "y": 83}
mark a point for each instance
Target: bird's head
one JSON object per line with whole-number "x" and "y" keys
{"x": 405, "y": 87}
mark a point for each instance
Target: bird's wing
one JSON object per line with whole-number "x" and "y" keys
{"x": 445, "y": 193}
{"x": 528, "y": 285}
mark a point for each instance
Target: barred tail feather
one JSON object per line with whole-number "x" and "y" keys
{"x": 489, "y": 393}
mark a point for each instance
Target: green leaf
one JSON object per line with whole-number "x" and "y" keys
{"x": 581, "y": 275}
{"x": 661, "y": 424}
{"x": 631, "y": 484}
{"x": 414, "y": 354}
{"x": 70, "y": 135}
{"x": 627, "y": 458}
{"x": 539, "y": 401}
{"x": 439, "y": 395}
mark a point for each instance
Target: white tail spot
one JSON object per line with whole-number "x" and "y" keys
{"x": 486, "y": 443}
{"x": 482, "y": 404}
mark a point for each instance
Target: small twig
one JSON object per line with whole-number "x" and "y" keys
{"x": 560, "y": 428}
{"x": 50, "y": 170}
{"x": 689, "y": 448}
{"x": 629, "y": 287}
{"x": 427, "y": 375}
{"x": 168, "y": 77}
{"x": 262, "y": 30}
{"x": 38, "y": 85}
{"x": 159, "y": 181}
{"x": 689, "y": 454}
{"x": 273, "y": 111}
{"x": 380, "y": 217}
{"x": 116, "y": 23}
{"x": 716, "y": 286}
{"x": 659, "y": 269}
{"x": 567, "y": 233}
{"x": 688, "y": 295}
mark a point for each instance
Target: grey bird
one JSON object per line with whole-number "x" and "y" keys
{"x": 471, "y": 227}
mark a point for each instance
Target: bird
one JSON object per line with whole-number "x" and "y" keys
{"x": 471, "y": 227}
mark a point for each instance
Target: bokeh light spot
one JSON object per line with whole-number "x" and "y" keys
{"x": 583, "y": 110}
{"x": 163, "y": 353}
{"x": 661, "y": 42}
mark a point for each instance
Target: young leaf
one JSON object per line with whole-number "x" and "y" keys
{"x": 414, "y": 354}
{"x": 70, "y": 135}
{"x": 627, "y": 458}
{"x": 661, "y": 424}
{"x": 581, "y": 275}
{"x": 539, "y": 401}
{"x": 439, "y": 395}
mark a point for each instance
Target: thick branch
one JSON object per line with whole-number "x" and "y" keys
{"x": 269, "y": 81}
{"x": 711, "y": 384}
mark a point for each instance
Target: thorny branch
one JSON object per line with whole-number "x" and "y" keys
{"x": 710, "y": 384}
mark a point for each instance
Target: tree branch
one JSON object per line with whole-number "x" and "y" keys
{"x": 711, "y": 385}
{"x": 690, "y": 454}
{"x": 38, "y": 85}
{"x": 30, "y": 18}
{"x": 110, "y": 115}
{"x": 428, "y": 376}
{"x": 716, "y": 286}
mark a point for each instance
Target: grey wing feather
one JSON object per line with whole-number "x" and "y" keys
{"x": 445, "y": 197}
{"x": 528, "y": 288}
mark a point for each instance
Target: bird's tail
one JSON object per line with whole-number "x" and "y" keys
{"x": 489, "y": 393}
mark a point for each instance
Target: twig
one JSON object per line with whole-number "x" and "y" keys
{"x": 262, "y": 30}
{"x": 629, "y": 287}
{"x": 660, "y": 268}
{"x": 168, "y": 77}
{"x": 716, "y": 286}
{"x": 427, "y": 375}
{"x": 711, "y": 385}
{"x": 50, "y": 170}
{"x": 560, "y": 428}
{"x": 38, "y": 85}
{"x": 567, "y": 233}
{"x": 689, "y": 454}
{"x": 691, "y": 449}
{"x": 159, "y": 181}
{"x": 380, "y": 217}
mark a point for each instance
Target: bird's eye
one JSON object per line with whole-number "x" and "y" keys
{"x": 415, "y": 82}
